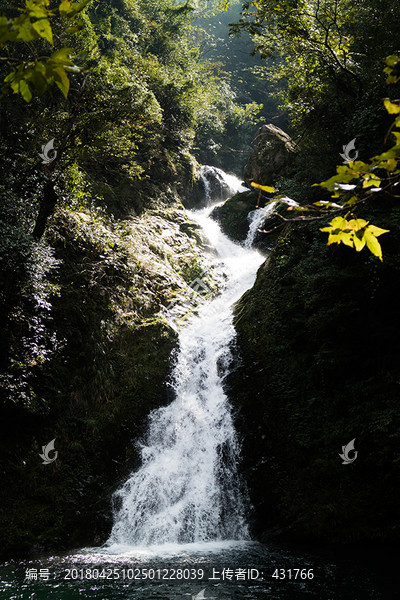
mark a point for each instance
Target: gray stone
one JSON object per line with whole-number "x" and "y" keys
{"x": 272, "y": 155}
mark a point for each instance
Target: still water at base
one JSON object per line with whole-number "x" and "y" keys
{"x": 224, "y": 570}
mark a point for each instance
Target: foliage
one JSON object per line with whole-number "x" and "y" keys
{"x": 236, "y": 108}
{"x": 356, "y": 233}
{"x": 37, "y": 72}
{"x": 325, "y": 58}
{"x": 148, "y": 102}
{"x": 28, "y": 340}
{"x": 312, "y": 41}
{"x": 262, "y": 188}
{"x": 352, "y": 186}
{"x": 321, "y": 32}
{"x": 325, "y": 51}
{"x": 381, "y": 174}
{"x": 85, "y": 351}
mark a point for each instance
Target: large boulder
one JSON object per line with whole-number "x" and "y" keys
{"x": 233, "y": 215}
{"x": 272, "y": 155}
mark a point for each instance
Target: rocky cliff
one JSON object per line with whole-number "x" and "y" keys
{"x": 98, "y": 368}
{"x": 318, "y": 341}
{"x": 272, "y": 155}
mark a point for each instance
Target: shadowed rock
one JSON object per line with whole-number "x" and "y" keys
{"x": 272, "y": 155}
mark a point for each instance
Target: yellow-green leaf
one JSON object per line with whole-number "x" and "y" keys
{"x": 25, "y": 90}
{"x": 376, "y": 231}
{"x": 64, "y": 7}
{"x": 264, "y": 188}
{"x": 339, "y": 223}
{"x": 62, "y": 56}
{"x": 334, "y": 238}
{"x": 359, "y": 243}
{"x": 392, "y": 153}
{"x": 38, "y": 11}
{"x": 70, "y": 9}
{"x": 391, "y": 164}
{"x": 43, "y": 28}
{"x": 61, "y": 80}
{"x": 391, "y": 107}
{"x": 353, "y": 200}
{"x": 24, "y": 27}
{"x": 347, "y": 238}
{"x": 10, "y": 77}
{"x": 357, "y": 224}
{"x": 372, "y": 244}
{"x": 74, "y": 28}
{"x": 392, "y": 60}
{"x": 371, "y": 183}
{"x": 38, "y": 78}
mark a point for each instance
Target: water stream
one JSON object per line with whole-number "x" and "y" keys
{"x": 188, "y": 488}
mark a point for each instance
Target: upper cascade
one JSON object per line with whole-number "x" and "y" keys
{"x": 256, "y": 219}
{"x": 219, "y": 185}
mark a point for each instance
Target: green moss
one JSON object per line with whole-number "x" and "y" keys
{"x": 110, "y": 370}
{"x": 232, "y": 215}
{"x": 318, "y": 338}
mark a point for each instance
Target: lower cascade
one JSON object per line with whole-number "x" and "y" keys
{"x": 256, "y": 218}
{"x": 188, "y": 488}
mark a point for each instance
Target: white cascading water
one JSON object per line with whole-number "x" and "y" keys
{"x": 188, "y": 488}
{"x": 219, "y": 184}
{"x": 256, "y": 218}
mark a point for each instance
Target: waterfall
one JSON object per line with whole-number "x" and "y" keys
{"x": 188, "y": 488}
{"x": 219, "y": 185}
{"x": 256, "y": 218}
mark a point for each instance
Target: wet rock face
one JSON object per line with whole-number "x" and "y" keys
{"x": 212, "y": 183}
{"x": 319, "y": 351}
{"x": 272, "y": 155}
{"x": 233, "y": 215}
{"x": 234, "y": 219}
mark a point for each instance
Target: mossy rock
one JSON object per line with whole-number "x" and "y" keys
{"x": 318, "y": 338}
{"x": 232, "y": 215}
{"x": 111, "y": 370}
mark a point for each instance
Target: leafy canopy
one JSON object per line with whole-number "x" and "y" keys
{"x": 36, "y": 73}
{"x": 355, "y": 183}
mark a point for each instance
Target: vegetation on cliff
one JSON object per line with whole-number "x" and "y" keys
{"x": 331, "y": 55}
{"x": 317, "y": 336}
{"x": 95, "y": 242}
